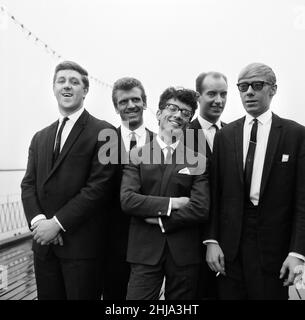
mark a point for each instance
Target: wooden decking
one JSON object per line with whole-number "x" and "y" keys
{"x": 21, "y": 279}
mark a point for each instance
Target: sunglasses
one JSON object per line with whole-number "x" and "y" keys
{"x": 255, "y": 85}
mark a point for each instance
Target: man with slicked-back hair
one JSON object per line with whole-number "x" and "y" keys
{"x": 129, "y": 100}
{"x": 63, "y": 190}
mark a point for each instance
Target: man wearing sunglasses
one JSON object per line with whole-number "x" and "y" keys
{"x": 166, "y": 194}
{"x": 256, "y": 235}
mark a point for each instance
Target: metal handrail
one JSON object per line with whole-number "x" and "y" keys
{"x": 12, "y": 218}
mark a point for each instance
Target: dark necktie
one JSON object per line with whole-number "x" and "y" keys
{"x": 133, "y": 140}
{"x": 168, "y": 159}
{"x": 250, "y": 159}
{"x": 58, "y": 140}
{"x": 216, "y": 127}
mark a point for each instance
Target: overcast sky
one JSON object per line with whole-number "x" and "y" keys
{"x": 160, "y": 42}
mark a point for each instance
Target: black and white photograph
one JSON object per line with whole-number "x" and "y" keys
{"x": 152, "y": 150}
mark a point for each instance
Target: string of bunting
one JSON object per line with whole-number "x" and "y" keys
{"x": 48, "y": 49}
{"x": 54, "y": 54}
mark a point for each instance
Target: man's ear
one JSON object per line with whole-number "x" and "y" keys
{"x": 116, "y": 110}
{"x": 273, "y": 90}
{"x": 144, "y": 106}
{"x": 158, "y": 114}
{"x": 199, "y": 98}
{"x": 86, "y": 90}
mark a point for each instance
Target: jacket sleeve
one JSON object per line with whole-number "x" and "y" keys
{"x": 29, "y": 197}
{"x": 211, "y": 229}
{"x": 196, "y": 211}
{"x": 297, "y": 243}
{"x": 136, "y": 204}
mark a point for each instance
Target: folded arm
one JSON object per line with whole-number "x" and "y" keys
{"x": 135, "y": 203}
{"x": 195, "y": 211}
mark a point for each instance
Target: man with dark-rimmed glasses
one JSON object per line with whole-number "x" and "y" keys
{"x": 256, "y": 235}
{"x": 167, "y": 198}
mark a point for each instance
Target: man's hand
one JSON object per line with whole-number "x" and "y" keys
{"x": 151, "y": 220}
{"x": 180, "y": 202}
{"x": 215, "y": 258}
{"x": 37, "y": 223}
{"x": 45, "y": 230}
{"x": 289, "y": 266}
{"x": 58, "y": 240}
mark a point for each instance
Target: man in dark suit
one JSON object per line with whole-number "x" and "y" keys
{"x": 212, "y": 87}
{"x": 165, "y": 190}
{"x": 129, "y": 99}
{"x": 257, "y": 231}
{"x": 63, "y": 190}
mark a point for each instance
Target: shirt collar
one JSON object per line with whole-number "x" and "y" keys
{"x": 73, "y": 117}
{"x": 163, "y": 145}
{"x": 205, "y": 124}
{"x": 263, "y": 118}
{"x": 139, "y": 131}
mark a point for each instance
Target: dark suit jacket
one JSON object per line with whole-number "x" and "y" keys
{"x": 117, "y": 225}
{"x": 145, "y": 192}
{"x": 195, "y": 125}
{"x": 281, "y": 220}
{"x": 74, "y": 190}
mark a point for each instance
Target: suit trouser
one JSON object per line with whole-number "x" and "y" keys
{"x": 116, "y": 279}
{"x": 180, "y": 281}
{"x": 67, "y": 279}
{"x": 245, "y": 276}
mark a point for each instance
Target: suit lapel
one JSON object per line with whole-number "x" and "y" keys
{"x": 239, "y": 137}
{"x": 50, "y": 145}
{"x": 208, "y": 150}
{"x": 195, "y": 143}
{"x": 149, "y": 136}
{"x": 273, "y": 140}
{"x": 169, "y": 168}
{"x": 156, "y": 155}
{"x": 74, "y": 134}
{"x": 195, "y": 124}
{"x": 123, "y": 154}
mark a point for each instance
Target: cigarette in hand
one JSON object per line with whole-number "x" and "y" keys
{"x": 217, "y": 274}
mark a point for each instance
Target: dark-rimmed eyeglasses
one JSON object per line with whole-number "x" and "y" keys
{"x": 255, "y": 85}
{"x": 173, "y": 108}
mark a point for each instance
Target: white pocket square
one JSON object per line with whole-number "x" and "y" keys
{"x": 285, "y": 157}
{"x": 184, "y": 171}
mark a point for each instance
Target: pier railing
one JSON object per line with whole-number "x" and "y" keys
{"x": 12, "y": 218}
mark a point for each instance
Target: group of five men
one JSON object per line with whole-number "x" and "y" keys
{"x": 233, "y": 195}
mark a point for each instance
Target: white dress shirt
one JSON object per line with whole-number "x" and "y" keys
{"x": 209, "y": 130}
{"x": 263, "y": 130}
{"x": 140, "y": 134}
{"x": 64, "y": 135}
{"x": 68, "y": 126}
